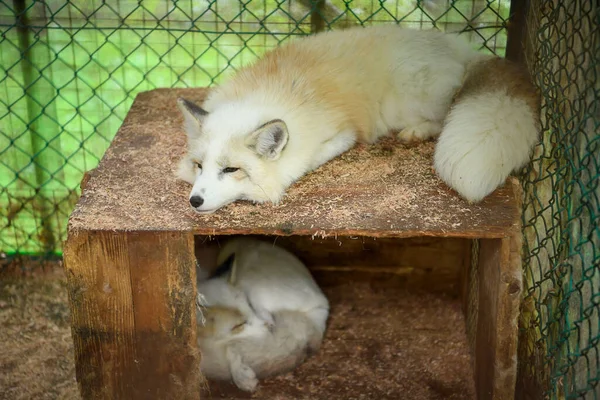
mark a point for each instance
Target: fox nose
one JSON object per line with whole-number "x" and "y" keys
{"x": 196, "y": 201}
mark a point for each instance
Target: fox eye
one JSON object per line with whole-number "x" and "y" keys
{"x": 238, "y": 327}
{"x": 199, "y": 165}
{"x": 229, "y": 170}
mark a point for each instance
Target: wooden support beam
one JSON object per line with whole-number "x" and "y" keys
{"x": 499, "y": 286}
{"x": 133, "y": 316}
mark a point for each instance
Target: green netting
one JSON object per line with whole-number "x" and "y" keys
{"x": 69, "y": 71}
{"x": 559, "y": 351}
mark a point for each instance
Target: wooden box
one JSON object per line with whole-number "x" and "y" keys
{"x": 424, "y": 287}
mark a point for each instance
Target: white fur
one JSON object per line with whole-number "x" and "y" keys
{"x": 274, "y": 279}
{"x": 331, "y": 90}
{"x": 284, "y": 310}
{"x": 247, "y": 358}
{"x": 336, "y": 88}
{"x": 218, "y": 292}
{"x": 485, "y": 138}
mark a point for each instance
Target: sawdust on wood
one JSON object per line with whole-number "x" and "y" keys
{"x": 387, "y": 189}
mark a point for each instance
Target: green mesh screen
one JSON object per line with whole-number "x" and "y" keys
{"x": 559, "y": 350}
{"x": 69, "y": 71}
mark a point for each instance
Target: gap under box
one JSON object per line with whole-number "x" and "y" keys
{"x": 396, "y": 327}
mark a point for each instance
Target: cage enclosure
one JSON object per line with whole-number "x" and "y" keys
{"x": 70, "y": 71}
{"x": 424, "y": 287}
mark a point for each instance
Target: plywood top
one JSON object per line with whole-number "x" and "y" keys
{"x": 387, "y": 189}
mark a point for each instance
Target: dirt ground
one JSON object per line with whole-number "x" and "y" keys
{"x": 36, "y": 351}
{"x": 379, "y": 343}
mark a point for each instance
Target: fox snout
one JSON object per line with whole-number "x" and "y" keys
{"x": 204, "y": 203}
{"x": 196, "y": 201}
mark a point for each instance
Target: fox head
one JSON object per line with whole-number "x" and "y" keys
{"x": 231, "y": 156}
{"x": 224, "y": 322}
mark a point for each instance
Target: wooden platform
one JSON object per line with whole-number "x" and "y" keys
{"x": 130, "y": 257}
{"x": 384, "y": 190}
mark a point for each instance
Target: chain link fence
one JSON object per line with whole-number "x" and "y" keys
{"x": 559, "y": 347}
{"x": 69, "y": 71}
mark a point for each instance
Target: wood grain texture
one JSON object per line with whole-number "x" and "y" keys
{"x": 383, "y": 190}
{"x": 499, "y": 296}
{"x": 427, "y": 263}
{"x": 133, "y": 318}
{"x": 491, "y": 288}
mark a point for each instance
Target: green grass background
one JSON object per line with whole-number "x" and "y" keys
{"x": 68, "y": 78}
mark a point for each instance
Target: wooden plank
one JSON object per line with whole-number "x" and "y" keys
{"x": 133, "y": 318}
{"x": 499, "y": 277}
{"x": 383, "y": 190}
{"x": 425, "y": 263}
{"x": 101, "y": 312}
{"x": 466, "y": 279}
{"x": 470, "y": 295}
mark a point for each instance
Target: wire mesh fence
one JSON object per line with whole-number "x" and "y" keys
{"x": 559, "y": 350}
{"x": 69, "y": 71}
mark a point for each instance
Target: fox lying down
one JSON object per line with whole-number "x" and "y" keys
{"x": 264, "y": 314}
{"x": 306, "y": 102}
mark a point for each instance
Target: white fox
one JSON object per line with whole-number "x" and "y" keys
{"x": 261, "y": 314}
{"x": 306, "y": 102}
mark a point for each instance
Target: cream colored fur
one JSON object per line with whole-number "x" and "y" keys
{"x": 490, "y": 130}
{"x": 262, "y": 318}
{"x": 305, "y": 103}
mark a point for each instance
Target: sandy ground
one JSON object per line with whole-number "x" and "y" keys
{"x": 380, "y": 342}
{"x": 36, "y": 351}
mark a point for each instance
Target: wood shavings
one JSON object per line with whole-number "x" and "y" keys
{"x": 134, "y": 189}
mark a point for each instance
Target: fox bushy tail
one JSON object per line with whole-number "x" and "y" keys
{"x": 490, "y": 130}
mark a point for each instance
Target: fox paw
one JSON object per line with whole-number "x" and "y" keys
{"x": 267, "y": 317}
{"x": 264, "y": 315}
{"x": 245, "y": 378}
{"x": 420, "y": 132}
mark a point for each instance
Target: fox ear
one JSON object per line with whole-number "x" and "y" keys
{"x": 269, "y": 140}
{"x": 193, "y": 116}
{"x": 225, "y": 267}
